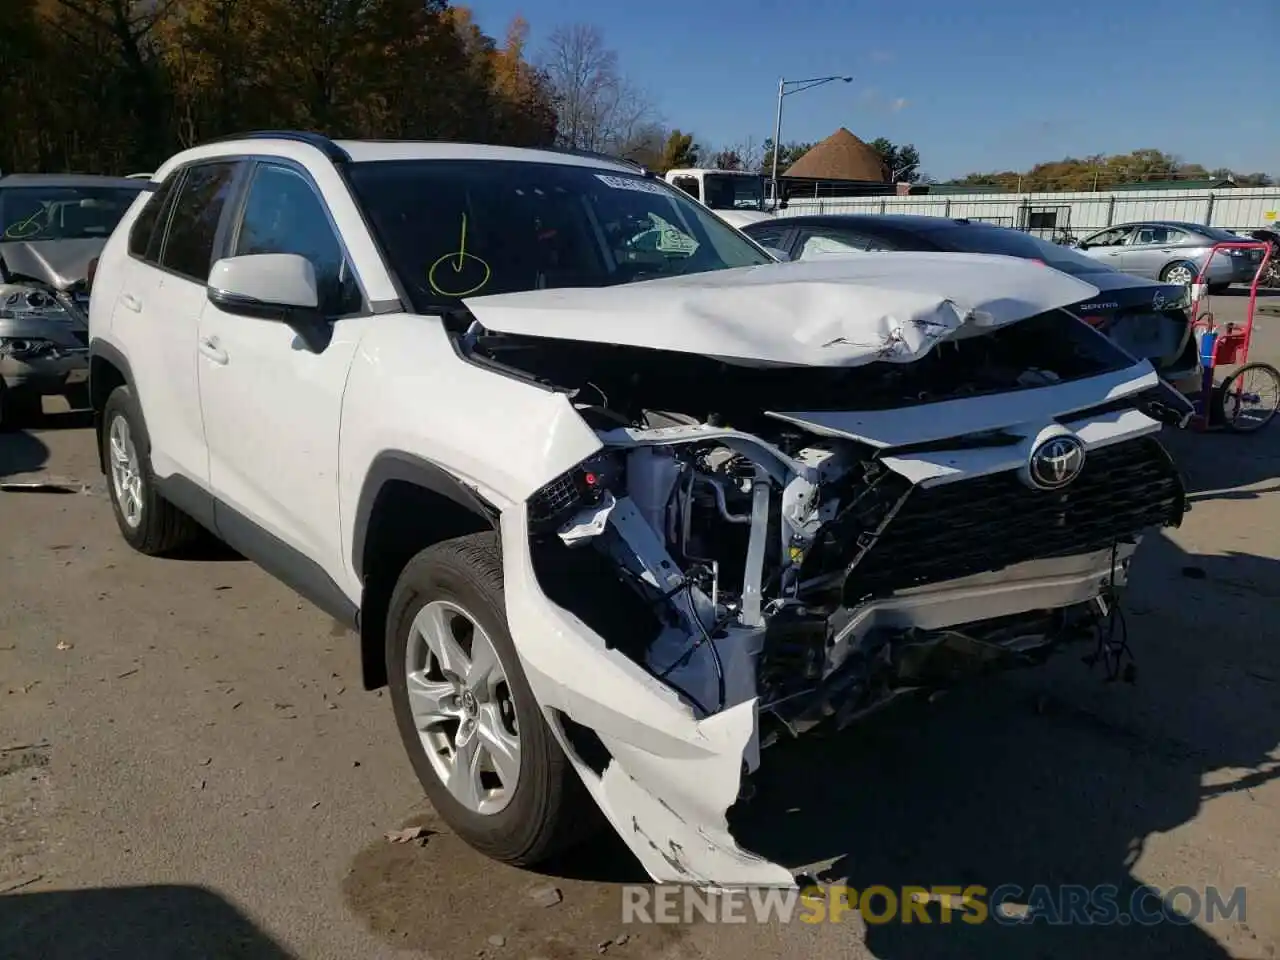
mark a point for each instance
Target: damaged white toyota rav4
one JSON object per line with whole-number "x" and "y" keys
{"x": 612, "y": 499}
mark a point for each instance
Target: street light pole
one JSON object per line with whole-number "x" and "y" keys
{"x": 801, "y": 86}
{"x": 777, "y": 136}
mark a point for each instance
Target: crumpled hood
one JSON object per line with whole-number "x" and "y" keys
{"x": 835, "y": 312}
{"x": 59, "y": 263}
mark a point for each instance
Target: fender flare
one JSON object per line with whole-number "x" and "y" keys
{"x": 99, "y": 348}
{"x": 397, "y": 465}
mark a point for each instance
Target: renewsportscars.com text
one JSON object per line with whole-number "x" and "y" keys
{"x": 1008, "y": 905}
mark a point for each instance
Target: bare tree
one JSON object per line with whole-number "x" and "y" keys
{"x": 599, "y": 109}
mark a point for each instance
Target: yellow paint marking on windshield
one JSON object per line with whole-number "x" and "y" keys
{"x": 459, "y": 259}
{"x": 19, "y": 231}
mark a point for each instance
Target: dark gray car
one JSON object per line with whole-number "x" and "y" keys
{"x": 1147, "y": 319}
{"x": 1172, "y": 251}
{"x": 51, "y": 227}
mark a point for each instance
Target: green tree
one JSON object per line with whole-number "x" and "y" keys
{"x": 789, "y": 154}
{"x": 902, "y": 163}
{"x": 116, "y": 86}
{"x": 678, "y": 152}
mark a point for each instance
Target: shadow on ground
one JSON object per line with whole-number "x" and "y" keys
{"x": 159, "y": 923}
{"x": 1217, "y": 465}
{"x": 21, "y": 452}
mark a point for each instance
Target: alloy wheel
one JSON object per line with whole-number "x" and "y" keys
{"x": 126, "y": 471}
{"x": 462, "y": 707}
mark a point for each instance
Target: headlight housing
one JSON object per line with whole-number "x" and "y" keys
{"x": 19, "y": 301}
{"x": 29, "y": 348}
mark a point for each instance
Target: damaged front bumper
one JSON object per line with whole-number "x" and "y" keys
{"x": 842, "y": 581}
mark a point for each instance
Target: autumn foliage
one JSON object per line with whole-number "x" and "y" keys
{"x": 115, "y": 86}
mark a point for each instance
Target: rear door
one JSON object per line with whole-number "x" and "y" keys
{"x": 1149, "y": 250}
{"x": 158, "y": 308}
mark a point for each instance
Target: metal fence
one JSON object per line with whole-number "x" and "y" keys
{"x": 1050, "y": 214}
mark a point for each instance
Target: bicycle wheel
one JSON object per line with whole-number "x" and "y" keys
{"x": 1248, "y": 399}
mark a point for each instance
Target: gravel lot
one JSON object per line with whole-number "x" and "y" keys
{"x": 189, "y": 767}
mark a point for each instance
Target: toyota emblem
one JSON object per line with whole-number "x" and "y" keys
{"x": 1056, "y": 462}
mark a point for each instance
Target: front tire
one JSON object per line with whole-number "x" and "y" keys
{"x": 148, "y": 522}
{"x": 473, "y": 730}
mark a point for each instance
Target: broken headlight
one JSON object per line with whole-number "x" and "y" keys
{"x": 581, "y": 486}
{"x": 28, "y": 348}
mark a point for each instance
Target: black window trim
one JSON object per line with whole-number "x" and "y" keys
{"x": 160, "y": 193}
{"x": 152, "y": 258}
{"x": 241, "y": 199}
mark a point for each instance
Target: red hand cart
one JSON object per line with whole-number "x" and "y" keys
{"x": 1248, "y": 399}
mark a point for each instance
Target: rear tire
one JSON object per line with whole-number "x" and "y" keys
{"x": 548, "y": 810}
{"x": 148, "y": 522}
{"x": 1182, "y": 273}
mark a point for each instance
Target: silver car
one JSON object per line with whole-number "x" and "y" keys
{"x": 51, "y": 227}
{"x": 1172, "y": 251}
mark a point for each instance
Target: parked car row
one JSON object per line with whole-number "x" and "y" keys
{"x": 1147, "y": 319}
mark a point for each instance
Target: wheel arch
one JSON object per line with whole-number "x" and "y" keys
{"x": 109, "y": 369}
{"x": 406, "y": 504}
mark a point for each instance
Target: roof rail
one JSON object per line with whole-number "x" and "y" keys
{"x": 597, "y": 155}
{"x": 317, "y": 140}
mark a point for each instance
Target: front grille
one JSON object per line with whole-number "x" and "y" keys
{"x": 989, "y": 523}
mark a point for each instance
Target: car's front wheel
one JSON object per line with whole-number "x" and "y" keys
{"x": 473, "y": 730}
{"x": 148, "y": 522}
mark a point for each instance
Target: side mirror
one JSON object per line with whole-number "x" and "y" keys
{"x": 280, "y": 287}
{"x": 778, "y": 254}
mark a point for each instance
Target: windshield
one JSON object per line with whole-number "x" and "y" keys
{"x": 63, "y": 213}
{"x": 972, "y": 238}
{"x": 464, "y": 228}
{"x": 733, "y": 192}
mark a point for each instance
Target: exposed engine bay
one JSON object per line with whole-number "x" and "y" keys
{"x": 738, "y": 554}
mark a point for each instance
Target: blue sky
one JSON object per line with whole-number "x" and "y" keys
{"x": 975, "y": 84}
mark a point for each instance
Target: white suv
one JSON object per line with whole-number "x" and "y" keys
{"x": 610, "y": 497}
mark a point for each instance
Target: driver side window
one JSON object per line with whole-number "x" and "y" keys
{"x": 1109, "y": 238}
{"x": 284, "y": 214}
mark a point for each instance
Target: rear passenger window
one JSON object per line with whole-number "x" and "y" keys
{"x": 193, "y": 227}
{"x": 144, "y": 227}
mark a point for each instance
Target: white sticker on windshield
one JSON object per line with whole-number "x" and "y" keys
{"x": 628, "y": 183}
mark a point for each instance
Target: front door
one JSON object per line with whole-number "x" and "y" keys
{"x": 272, "y": 408}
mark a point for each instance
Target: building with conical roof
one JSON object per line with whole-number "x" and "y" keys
{"x": 841, "y": 156}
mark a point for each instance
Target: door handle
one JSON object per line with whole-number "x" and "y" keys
{"x": 130, "y": 302}
{"x": 209, "y": 347}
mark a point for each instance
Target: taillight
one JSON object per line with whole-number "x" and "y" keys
{"x": 93, "y": 268}
{"x": 1094, "y": 321}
